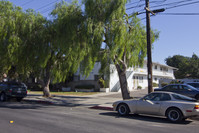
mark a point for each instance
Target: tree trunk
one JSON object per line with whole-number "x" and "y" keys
{"x": 123, "y": 82}
{"x": 46, "y": 90}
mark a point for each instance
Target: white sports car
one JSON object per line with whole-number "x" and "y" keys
{"x": 174, "y": 106}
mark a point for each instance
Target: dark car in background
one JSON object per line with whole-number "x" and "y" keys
{"x": 194, "y": 84}
{"x": 183, "y": 89}
{"x": 12, "y": 90}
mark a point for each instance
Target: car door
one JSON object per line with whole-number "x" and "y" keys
{"x": 188, "y": 91}
{"x": 150, "y": 104}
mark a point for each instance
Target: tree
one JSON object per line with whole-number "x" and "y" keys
{"x": 123, "y": 35}
{"x": 188, "y": 67}
{"x": 179, "y": 62}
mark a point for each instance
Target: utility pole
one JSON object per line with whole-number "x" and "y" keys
{"x": 149, "y": 58}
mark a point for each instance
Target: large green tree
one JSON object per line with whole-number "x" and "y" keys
{"x": 188, "y": 67}
{"x": 123, "y": 36}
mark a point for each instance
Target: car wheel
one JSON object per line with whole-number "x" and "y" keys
{"x": 174, "y": 115}
{"x": 3, "y": 97}
{"x": 123, "y": 109}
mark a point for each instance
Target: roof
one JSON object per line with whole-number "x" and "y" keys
{"x": 157, "y": 63}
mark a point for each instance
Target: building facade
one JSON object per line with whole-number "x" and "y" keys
{"x": 136, "y": 76}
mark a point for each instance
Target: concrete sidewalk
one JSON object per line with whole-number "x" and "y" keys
{"x": 101, "y": 100}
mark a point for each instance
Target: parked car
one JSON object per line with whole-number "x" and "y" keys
{"x": 12, "y": 90}
{"x": 174, "y": 106}
{"x": 194, "y": 84}
{"x": 183, "y": 89}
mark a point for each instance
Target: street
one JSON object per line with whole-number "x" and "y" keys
{"x": 40, "y": 118}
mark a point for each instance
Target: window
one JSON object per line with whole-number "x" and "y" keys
{"x": 156, "y": 67}
{"x": 161, "y": 68}
{"x": 140, "y": 79}
{"x": 165, "y": 97}
{"x": 153, "y": 97}
{"x": 180, "y": 97}
{"x": 155, "y": 79}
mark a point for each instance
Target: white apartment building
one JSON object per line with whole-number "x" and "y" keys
{"x": 135, "y": 76}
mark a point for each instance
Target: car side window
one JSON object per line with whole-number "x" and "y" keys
{"x": 153, "y": 97}
{"x": 166, "y": 88}
{"x": 174, "y": 87}
{"x": 165, "y": 97}
{"x": 186, "y": 88}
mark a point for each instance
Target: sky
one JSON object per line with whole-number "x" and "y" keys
{"x": 179, "y": 34}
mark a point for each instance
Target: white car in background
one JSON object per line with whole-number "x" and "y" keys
{"x": 174, "y": 106}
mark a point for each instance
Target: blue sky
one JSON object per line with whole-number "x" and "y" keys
{"x": 179, "y": 34}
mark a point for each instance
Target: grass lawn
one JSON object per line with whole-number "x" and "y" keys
{"x": 65, "y": 93}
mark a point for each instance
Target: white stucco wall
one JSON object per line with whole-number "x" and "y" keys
{"x": 135, "y": 76}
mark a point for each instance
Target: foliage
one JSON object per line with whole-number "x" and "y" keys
{"x": 188, "y": 67}
{"x": 164, "y": 84}
{"x": 101, "y": 83}
{"x": 139, "y": 87}
{"x": 155, "y": 84}
{"x": 75, "y": 37}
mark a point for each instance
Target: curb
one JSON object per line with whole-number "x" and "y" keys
{"x": 102, "y": 108}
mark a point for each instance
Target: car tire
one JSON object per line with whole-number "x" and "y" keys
{"x": 123, "y": 109}
{"x": 3, "y": 97}
{"x": 197, "y": 97}
{"x": 174, "y": 115}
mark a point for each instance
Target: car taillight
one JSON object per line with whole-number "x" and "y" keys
{"x": 196, "y": 107}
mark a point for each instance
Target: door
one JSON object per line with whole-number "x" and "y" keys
{"x": 150, "y": 104}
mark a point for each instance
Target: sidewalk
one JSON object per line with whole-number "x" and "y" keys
{"x": 101, "y": 100}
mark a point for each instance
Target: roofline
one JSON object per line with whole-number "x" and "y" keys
{"x": 157, "y": 63}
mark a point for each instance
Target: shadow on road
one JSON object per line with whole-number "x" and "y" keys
{"x": 145, "y": 118}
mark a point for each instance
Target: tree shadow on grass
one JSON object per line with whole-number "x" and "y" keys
{"x": 147, "y": 118}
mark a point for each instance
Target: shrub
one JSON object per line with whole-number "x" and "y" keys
{"x": 155, "y": 84}
{"x": 101, "y": 83}
{"x": 164, "y": 84}
{"x": 139, "y": 87}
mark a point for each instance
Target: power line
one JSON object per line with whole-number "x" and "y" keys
{"x": 134, "y": 3}
{"x": 144, "y": 4}
{"x": 179, "y": 14}
{"x": 173, "y": 3}
{"x": 27, "y": 2}
{"x": 183, "y": 5}
{"x": 47, "y": 5}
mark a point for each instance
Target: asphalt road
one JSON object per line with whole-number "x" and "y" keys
{"x": 36, "y": 118}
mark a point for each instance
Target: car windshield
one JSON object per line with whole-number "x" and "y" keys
{"x": 194, "y": 84}
{"x": 191, "y": 87}
{"x": 181, "y": 97}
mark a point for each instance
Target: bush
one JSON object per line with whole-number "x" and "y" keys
{"x": 164, "y": 84}
{"x": 101, "y": 83}
{"x": 139, "y": 87}
{"x": 155, "y": 84}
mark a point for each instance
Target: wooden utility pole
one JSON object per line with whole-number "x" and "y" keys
{"x": 149, "y": 58}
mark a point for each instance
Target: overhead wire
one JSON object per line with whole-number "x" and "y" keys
{"x": 47, "y": 5}
{"x": 183, "y": 5}
{"x": 27, "y": 2}
{"x": 190, "y": 14}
